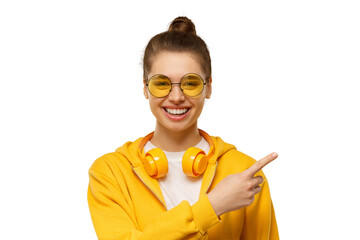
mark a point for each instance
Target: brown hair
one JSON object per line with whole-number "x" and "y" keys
{"x": 180, "y": 37}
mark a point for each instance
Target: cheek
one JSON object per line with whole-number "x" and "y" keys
{"x": 154, "y": 104}
{"x": 199, "y": 104}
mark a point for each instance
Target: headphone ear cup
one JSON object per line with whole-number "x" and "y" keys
{"x": 194, "y": 162}
{"x": 155, "y": 163}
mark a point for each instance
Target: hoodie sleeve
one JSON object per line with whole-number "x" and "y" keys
{"x": 114, "y": 219}
{"x": 260, "y": 221}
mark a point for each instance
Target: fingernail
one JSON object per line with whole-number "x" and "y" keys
{"x": 274, "y": 154}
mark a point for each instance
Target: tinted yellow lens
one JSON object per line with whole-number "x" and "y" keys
{"x": 159, "y": 85}
{"x": 192, "y": 85}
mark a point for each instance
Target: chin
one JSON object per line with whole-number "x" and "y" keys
{"x": 178, "y": 127}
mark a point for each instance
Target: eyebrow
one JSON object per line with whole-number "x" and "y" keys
{"x": 190, "y": 76}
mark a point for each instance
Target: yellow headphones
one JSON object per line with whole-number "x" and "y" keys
{"x": 194, "y": 161}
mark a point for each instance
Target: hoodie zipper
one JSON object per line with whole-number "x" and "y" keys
{"x": 149, "y": 187}
{"x": 213, "y": 176}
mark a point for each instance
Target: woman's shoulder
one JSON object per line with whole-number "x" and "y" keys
{"x": 124, "y": 156}
{"x": 229, "y": 155}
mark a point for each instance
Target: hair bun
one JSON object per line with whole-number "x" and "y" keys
{"x": 182, "y": 24}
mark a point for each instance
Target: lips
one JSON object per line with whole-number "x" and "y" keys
{"x": 177, "y": 111}
{"x": 176, "y": 114}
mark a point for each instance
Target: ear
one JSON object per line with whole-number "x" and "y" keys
{"x": 146, "y": 92}
{"x": 208, "y": 88}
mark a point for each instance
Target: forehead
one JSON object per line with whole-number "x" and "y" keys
{"x": 175, "y": 65}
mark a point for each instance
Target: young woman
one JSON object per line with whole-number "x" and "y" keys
{"x": 178, "y": 182}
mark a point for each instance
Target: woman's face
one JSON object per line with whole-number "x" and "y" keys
{"x": 176, "y": 112}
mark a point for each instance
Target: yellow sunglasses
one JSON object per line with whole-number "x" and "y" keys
{"x": 160, "y": 85}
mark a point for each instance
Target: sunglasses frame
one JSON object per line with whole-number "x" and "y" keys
{"x": 149, "y": 79}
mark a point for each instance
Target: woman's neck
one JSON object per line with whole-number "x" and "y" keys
{"x": 175, "y": 141}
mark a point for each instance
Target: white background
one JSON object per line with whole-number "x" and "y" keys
{"x": 285, "y": 79}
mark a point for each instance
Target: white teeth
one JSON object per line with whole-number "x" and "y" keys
{"x": 176, "y": 111}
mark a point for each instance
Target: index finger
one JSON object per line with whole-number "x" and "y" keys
{"x": 261, "y": 163}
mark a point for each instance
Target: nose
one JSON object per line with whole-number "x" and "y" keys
{"x": 176, "y": 95}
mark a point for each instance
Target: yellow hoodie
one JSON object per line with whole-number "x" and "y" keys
{"x": 126, "y": 203}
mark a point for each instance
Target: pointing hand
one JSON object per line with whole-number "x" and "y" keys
{"x": 238, "y": 190}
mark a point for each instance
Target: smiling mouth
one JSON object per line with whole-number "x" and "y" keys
{"x": 177, "y": 111}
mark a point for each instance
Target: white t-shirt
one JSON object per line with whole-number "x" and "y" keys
{"x": 176, "y": 186}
